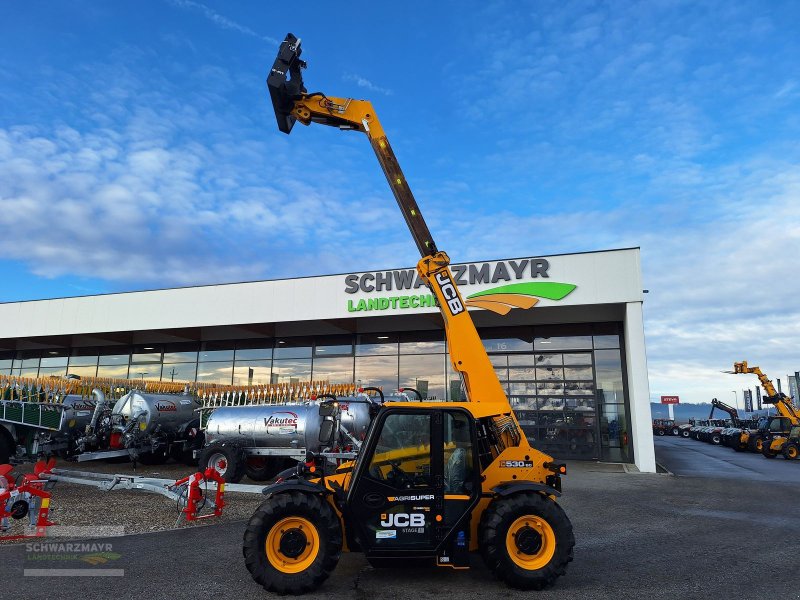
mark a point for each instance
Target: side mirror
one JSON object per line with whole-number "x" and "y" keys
{"x": 326, "y": 431}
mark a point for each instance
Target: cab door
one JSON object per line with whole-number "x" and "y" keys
{"x": 416, "y": 483}
{"x": 397, "y": 481}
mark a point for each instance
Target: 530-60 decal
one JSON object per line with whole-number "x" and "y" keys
{"x": 516, "y": 464}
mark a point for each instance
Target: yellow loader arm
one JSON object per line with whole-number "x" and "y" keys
{"x": 783, "y": 404}
{"x": 292, "y": 103}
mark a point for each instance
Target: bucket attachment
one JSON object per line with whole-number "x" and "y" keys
{"x": 285, "y": 82}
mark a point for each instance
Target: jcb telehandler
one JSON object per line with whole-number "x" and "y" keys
{"x": 772, "y": 432}
{"x": 432, "y": 481}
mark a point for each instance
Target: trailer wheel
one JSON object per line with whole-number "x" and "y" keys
{"x": 227, "y": 460}
{"x": 791, "y": 452}
{"x": 526, "y": 540}
{"x": 292, "y": 543}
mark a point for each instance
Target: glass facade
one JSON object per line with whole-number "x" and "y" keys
{"x": 566, "y": 383}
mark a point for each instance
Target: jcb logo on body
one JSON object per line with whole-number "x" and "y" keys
{"x": 403, "y": 520}
{"x": 450, "y": 293}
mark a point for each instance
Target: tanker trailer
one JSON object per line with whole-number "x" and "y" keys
{"x": 263, "y": 440}
{"x": 30, "y": 430}
{"x": 147, "y": 427}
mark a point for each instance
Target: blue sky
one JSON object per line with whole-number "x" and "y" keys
{"x": 138, "y": 150}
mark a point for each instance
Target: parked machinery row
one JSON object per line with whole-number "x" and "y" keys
{"x": 769, "y": 435}
{"x": 36, "y": 421}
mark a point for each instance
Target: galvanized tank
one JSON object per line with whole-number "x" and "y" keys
{"x": 170, "y": 411}
{"x": 77, "y": 412}
{"x": 281, "y": 426}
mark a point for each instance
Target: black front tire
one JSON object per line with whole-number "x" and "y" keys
{"x": 496, "y": 523}
{"x": 311, "y": 509}
{"x": 791, "y": 451}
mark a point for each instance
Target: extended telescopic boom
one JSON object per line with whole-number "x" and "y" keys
{"x": 292, "y": 103}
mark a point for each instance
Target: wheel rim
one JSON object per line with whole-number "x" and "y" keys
{"x": 218, "y": 462}
{"x": 791, "y": 452}
{"x": 759, "y": 445}
{"x": 531, "y": 542}
{"x": 292, "y": 544}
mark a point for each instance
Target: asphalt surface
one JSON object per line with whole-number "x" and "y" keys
{"x": 693, "y": 458}
{"x": 637, "y": 536}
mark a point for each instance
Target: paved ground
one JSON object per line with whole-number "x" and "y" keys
{"x": 638, "y": 535}
{"x": 698, "y": 459}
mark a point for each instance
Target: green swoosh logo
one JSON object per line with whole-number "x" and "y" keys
{"x": 551, "y": 290}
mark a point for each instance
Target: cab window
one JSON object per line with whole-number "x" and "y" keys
{"x": 402, "y": 457}
{"x": 458, "y": 455}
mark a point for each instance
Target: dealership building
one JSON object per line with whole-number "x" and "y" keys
{"x": 564, "y": 333}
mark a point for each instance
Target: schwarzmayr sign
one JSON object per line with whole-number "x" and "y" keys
{"x": 500, "y": 299}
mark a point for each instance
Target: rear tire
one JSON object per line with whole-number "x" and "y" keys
{"x": 660, "y": 432}
{"x": 716, "y": 439}
{"x": 676, "y": 431}
{"x": 685, "y": 433}
{"x": 292, "y": 543}
{"x": 227, "y": 460}
{"x": 526, "y": 540}
{"x": 767, "y": 452}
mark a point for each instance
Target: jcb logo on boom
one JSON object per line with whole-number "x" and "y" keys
{"x": 403, "y": 520}
{"x": 449, "y": 292}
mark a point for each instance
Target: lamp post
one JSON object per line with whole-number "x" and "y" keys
{"x": 736, "y": 399}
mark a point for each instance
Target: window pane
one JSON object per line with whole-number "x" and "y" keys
{"x": 51, "y": 360}
{"x": 113, "y": 371}
{"x": 606, "y": 341}
{"x": 146, "y": 357}
{"x": 293, "y": 348}
{"x": 114, "y": 359}
{"x": 253, "y": 353}
{"x": 291, "y": 371}
{"x": 83, "y": 371}
{"x": 211, "y": 355}
{"x": 214, "y": 372}
{"x": 252, "y": 372}
{"x": 521, "y": 374}
{"x": 180, "y": 357}
{"x": 334, "y": 370}
{"x": 377, "y": 343}
{"x": 458, "y": 467}
{"x": 579, "y": 358}
{"x": 566, "y": 342}
{"x": 424, "y": 373}
{"x": 507, "y": 339}
{"x": 178, "y": 372}
{"x": 550, "y": 388}
{"x": 499, "y": 360}
{"x": 52, "y": 371}
{"x": 543, "y": 360}
{"x": 608, "y": 368}
{"x": 30, "y": 363}
{"x": 402, "y": 454}
{"x": 422, "y": 342}
{"x": 578, "y": 373}
{"x": 377, "y": 371}
{"x": 83, "y": 361}
{"x": 6, "y": 363}
{"x": 549, "y": 374}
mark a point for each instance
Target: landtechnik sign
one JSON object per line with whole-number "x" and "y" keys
{"x": 517, "y": 290}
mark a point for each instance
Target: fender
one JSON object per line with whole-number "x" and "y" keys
{"x": 299, "y": 485}
{"x": 512, "y": 487}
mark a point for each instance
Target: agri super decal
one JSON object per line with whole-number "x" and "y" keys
{"x": 515, "y": 289}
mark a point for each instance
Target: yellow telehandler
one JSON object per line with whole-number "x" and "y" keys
{"x": 432, "y": 481}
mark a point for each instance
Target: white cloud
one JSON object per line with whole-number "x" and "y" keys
{"x": 220, "y": 20}
{"x": 366, "y": 84}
